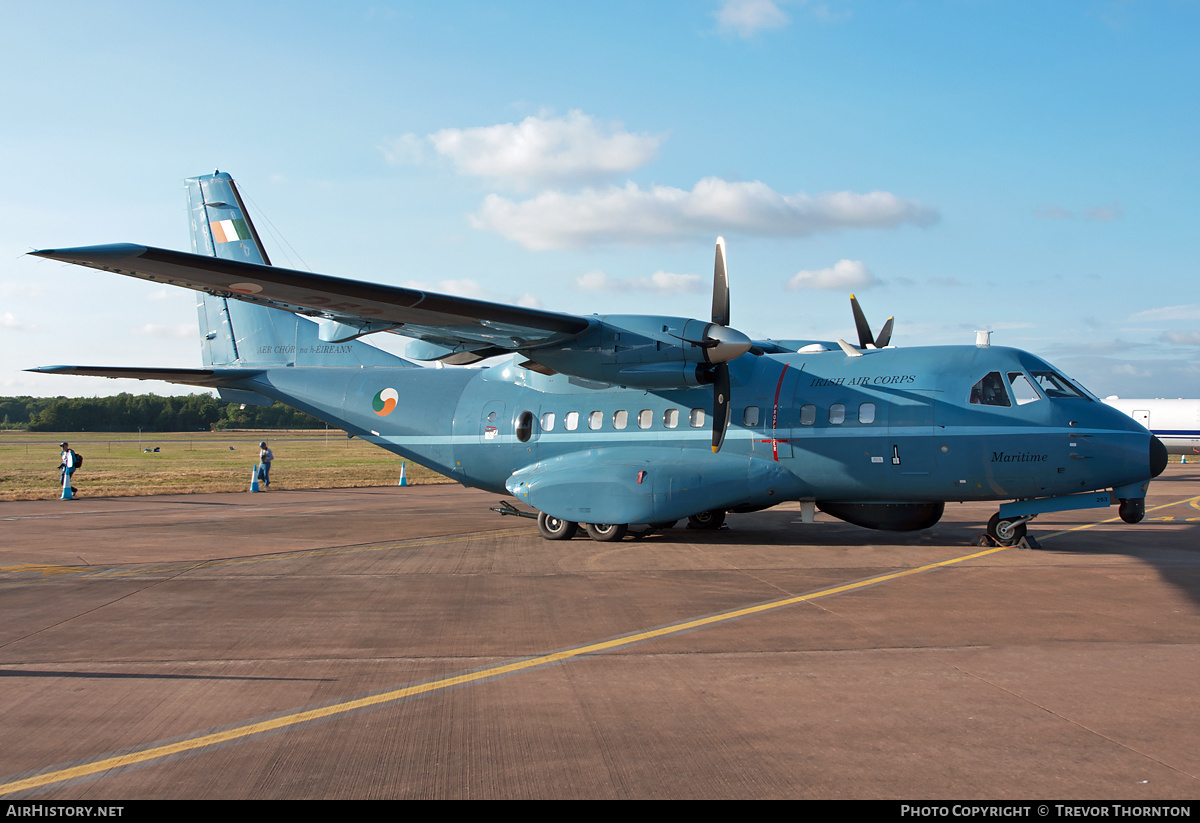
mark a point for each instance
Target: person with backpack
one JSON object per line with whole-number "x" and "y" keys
{"x": 264, "y": 464}
{"x": 67, "y": 465}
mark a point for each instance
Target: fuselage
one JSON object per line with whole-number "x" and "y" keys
{"x": 1176, "y": 422}
{"x": 893, "y": 425}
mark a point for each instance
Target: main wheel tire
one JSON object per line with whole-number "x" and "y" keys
{"x": 553, "y": 528}
{"x": 713, "y": 519}
{"x": 606, "y": 532}
{"x": 1004, "y": 532}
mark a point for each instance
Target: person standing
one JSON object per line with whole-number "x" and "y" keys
{"x": 67, "y": 466}
{"x": 264, "y": 462}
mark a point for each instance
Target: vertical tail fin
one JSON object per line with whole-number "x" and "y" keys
{"x": 236, "y": 333}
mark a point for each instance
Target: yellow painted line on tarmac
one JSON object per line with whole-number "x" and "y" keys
{"x": 247, "y": 730}
{"x": 1189, "y": 501}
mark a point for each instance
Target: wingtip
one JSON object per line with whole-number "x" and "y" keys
{"x": 109, "y": 251}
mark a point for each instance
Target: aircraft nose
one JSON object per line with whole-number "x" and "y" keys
{"x": 1158, "y": 456}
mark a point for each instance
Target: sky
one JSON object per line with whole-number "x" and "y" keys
{"x": 1029, "y": 168}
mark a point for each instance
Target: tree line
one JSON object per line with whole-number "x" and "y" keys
{"x": 146, "y": 412}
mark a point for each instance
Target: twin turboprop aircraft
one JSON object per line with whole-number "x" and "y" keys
{"x": 619, "y": 420}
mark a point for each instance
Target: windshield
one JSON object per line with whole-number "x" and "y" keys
{"x": 1054, "y": 385}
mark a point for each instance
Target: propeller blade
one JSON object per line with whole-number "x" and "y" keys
{"x": 865, "y": 338}
{"x": 885, "y": 336}
{"x": 720, "y": 405}
{"x": 720, "y": 303}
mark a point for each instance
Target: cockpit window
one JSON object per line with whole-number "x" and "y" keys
{"x": 1055, "y": 385}
{"x": 1022, "y": 389}
{"x": 990, "y": 391}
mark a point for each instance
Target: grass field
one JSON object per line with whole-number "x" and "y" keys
{"x": 125, "y": 465}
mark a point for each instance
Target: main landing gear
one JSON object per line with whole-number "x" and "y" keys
{"x": 553, "y": 528}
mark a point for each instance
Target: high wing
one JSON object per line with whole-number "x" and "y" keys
{"x": 453, "y": 329}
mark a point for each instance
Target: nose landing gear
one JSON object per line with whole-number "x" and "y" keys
{"x": 1008, "y": 531}
{"x": 1132, "y": 509}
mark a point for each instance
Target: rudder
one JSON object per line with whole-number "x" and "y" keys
{"x": 238, "y": 333}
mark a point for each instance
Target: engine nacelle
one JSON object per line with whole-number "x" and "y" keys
{"x": 645, "y": 352}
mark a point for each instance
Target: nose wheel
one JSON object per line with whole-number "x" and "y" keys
{"x": 1006, "y": 532}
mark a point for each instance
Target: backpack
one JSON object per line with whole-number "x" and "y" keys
{"x": 77, "y": 459}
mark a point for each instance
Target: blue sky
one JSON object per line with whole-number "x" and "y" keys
{"x": 1025, "y": 167}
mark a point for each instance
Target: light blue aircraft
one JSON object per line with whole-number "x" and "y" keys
{"x": 642, "y": 420}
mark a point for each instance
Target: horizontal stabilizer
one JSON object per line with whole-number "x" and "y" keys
{"x": 213, "y": 378}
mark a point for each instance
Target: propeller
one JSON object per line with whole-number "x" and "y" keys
{"x": 721, "y": 344}
{"x": 865, "y": 339}
{"x": 725, "y": 344}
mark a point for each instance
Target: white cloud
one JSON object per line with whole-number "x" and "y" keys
{"x": 1054, "y": 213}
{"x": 474, "y": 290}
{"x": 660, "y": 283}
{"x": 21, "y": 290}
{"x": 537, "y": 151}
{"x": 1130, "y": 370}
{"x": 629, "y": 214}
{"x": 184, "y": 331}
{"x": 8, "y": 320}
{"x": 1190, "y": 311}
{"x": 1104, "y": 214}
{"x": 844, "y": 274}
{"x": 1182, "y": 338}
{"x": 747, "y": 17}
{"x": 463, "y": 287}
{"x": 405, "y": 149}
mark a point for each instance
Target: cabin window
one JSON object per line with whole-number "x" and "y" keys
{"x": 671, "y": 418}
{"x": 866, "y": 413}
{"x": 990, "y": 391}
{"x": 696, "y": 418}
{"x": 492, "y": 416}
{"x": 1022, "y": 389}
{"x": 572, "y": 421}
{"x": 808, "y": 414}
{"x": 595, "y": 420}
{"x": 548, "y": 422}
{"x": 524, "y": 426}
{"x": 1055, "y": 385}
{"x": 645, "y": 419}
{"x": 750, "y": 416}
{"x": 620, "y": 419}
{"x": 837, "y": 413}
